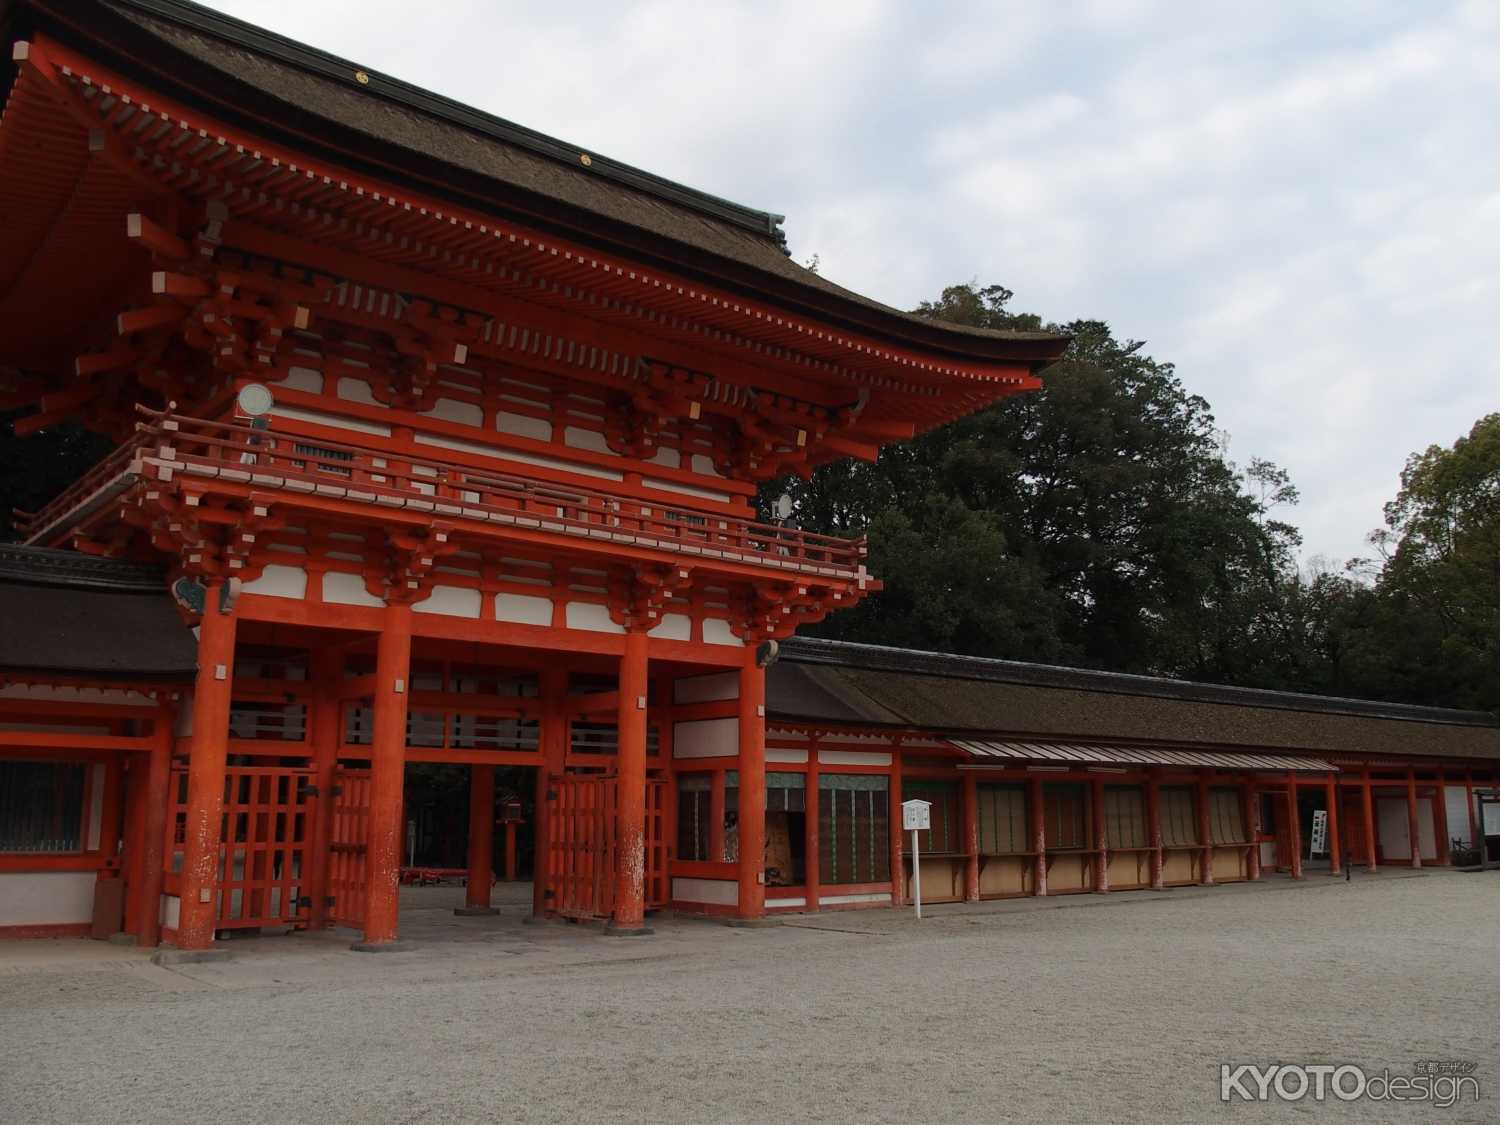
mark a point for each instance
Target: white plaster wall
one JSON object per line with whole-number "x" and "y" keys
{"x": 592, "y": 617}
{"x": 523, "y": 425}
{"x": 706, "y": 738}
{"x": 674, "y": 627}
{"x": 302, "y": 379}
{"x": 500, "y": 453}
{"x": 279, "y": 581}
{"x": 1456, "y": 802}
{"x": 356, "y": 390}
{"x": 716, "y": 632}
{"x": 1393, "y": 828}
{"x": 716, "y": 892}
{"x": 853, "y": 758}
{"x": 1427, "y": 829}
{"x": 785, "y": 754}
{"x": 579, "y": 438}
{"x": 451, "y": 601}
{"x": 46, "y": 898}
{"x": 706, "y": 689}
{"x": 841, "y": 900}
{"x": 524, "y": 609}
{"x": 685, "y": 490}
{"x": 335, "y": 421}
{"x": 171, "y": 910}
{"x": 774, "y": 902}
{"x": 452, "y": 410}
{"x": 343, "y": 588}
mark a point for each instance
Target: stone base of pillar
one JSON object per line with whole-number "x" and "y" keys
{"x": 383, "y": 946}
{"x": 475, "y": 911}
{"x": 613, "y": 930}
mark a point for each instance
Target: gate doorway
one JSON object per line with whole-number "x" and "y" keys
{"x": 267, "y": 828}
{"x": 347, "y": 846}
{"x": 582, "y": 848}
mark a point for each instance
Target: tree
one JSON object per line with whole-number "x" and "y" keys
{"x": 1442, "y": 574}
{"x": 1095, "y": 521}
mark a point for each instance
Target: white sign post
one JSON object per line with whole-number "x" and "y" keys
{"x": 1318, "y": 845}
{"x": 916, "y": 816}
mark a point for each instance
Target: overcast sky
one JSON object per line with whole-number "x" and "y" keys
{"x": 1296, "y": 203}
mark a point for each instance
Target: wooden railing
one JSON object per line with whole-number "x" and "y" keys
{"x": 32, "y": 526}
{"x": 268, "y": 461}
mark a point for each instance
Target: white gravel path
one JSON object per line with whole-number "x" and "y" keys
{"x": 1114, "y": 1009}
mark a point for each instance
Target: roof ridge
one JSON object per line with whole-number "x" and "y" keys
{"x": 820, "y": 650}
{"x": 252, "y": 37}
{"x": 52, "y": 567}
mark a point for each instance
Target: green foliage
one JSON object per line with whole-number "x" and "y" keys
{"x": 1095, "y": 521}
{"x": 1098, "y": 522}
{"x": 1442, "y": 573}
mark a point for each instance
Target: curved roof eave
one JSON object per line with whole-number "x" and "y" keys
{"x": 250, "y": 74}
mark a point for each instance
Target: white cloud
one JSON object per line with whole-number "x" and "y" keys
{"x": 1295, "y": 203}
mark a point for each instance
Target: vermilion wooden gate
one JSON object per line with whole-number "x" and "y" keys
{"x": 348, "y": 845}
{"x": 265, "y": 832}
{"x": 581, "y": 852}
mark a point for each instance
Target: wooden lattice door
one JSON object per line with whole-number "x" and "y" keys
{"x": 582, "y": 840}
{"x": 348, "y": 845}
{"x": 265, "y": 830}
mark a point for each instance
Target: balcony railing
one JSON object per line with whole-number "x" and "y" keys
{"x": 167, "y": 446}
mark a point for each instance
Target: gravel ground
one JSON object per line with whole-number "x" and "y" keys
{"x": 1089, "y": 1008}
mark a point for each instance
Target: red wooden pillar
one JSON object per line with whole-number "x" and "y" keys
{"x": 206, "y": 763}
{"x": 752, "y": 864}
{"x": 1335, "y": 837}
{"x": 717, "y": 847}
{"x": 511, "y": 859}
{"x": 158, "y": 782}
{"x": 1413, "y": 826}
{"x": 1097, "y": 838}
{"x": 898, "y": 837}
{"x": 970, "y": 826}
{"x": 1367, "y": 811}
{"x": 1036, "y": 802}
{"x": 630, "y": 805}
{"x": 811, "y": 840}
{"x": 1440, "y": 819}
{"x": 1474, "y": 840}
{"x": 1293, "y": 826}
{"x": 135, "y": 839}
{"x": 1251, "y": 797}
{"x": 387, "y": 778}
{"x": 1205, "y": 835}
{"x": 325, "y": 734}
{"x": 552, "y": 747}
{"x": 1153, "y": 830}
{"x": 481, "y": 840}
